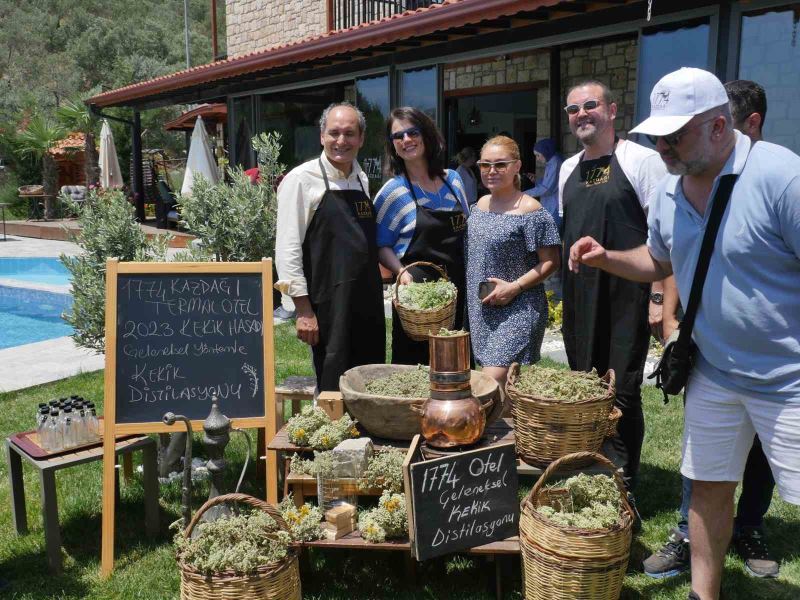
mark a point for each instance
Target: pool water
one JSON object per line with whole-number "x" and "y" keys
{"x": 34, "y": 270}
{"x": 28, "y": 316}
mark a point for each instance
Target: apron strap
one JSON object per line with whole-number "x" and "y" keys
{"x": 324, "y": 175}
{"x": 446, "y": 183}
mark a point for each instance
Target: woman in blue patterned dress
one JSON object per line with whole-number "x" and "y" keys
{"x": 421, "y": 216}
{"x": 512, "y": 243}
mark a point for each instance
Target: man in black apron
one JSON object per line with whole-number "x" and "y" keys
{"x": 438, "y": 238}
{"x": 326, "y": 253}
{"x": 604, "y": 194}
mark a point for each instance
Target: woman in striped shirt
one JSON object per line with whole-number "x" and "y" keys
{"x": 421, "y": 215}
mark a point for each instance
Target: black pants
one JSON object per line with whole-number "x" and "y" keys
{"x": 757, "y": 486}
{"x": 630, "y": 435}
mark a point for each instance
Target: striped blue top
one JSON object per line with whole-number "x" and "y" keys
{"x": 396, "y": 213}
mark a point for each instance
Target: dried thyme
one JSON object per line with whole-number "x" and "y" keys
{"x": 385, "y": 471}
{"x": 558, "y": 384}
{"x": 304, "y": 521}
{"x": 427, "y": 295}
{"x": 445, "y": 332}
{"x": 411, "y": 383}
{"x": 592, "y": 502}
{"x": 388, "y": 520}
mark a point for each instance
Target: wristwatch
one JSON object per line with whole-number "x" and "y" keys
{"x": 656, "y": 297}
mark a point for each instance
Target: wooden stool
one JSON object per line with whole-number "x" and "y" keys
{"x": 47, "y": 468}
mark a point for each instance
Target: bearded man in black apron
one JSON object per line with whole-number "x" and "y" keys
{"x": 326, "y": 253}
{"x": 605, "y": 190}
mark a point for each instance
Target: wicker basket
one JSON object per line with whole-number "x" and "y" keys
{"x": 569, "y": 563}
{"x": 547, "y": 429}
{"x": 279, "y": 581}
{"x": 419, "y": 323}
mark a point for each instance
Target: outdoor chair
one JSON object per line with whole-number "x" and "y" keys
{"x": 166, "y": 206}
{"x": 75, "y": 193}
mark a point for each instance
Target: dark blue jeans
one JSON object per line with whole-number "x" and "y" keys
{"x": 757, "y": 487}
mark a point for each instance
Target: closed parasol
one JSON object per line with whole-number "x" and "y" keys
{"x": 201, "y": 160}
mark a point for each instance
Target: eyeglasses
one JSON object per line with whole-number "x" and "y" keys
{"x": 673, "y": 139}
{"x": 501, "y": 166}
{"x": 411, "y": 132}
{"x": 574, "y": 109}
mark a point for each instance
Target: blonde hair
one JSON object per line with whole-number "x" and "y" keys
{"x": 511, "y": 147}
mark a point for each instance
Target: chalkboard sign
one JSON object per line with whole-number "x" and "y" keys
{"x": 462, "y": 501}
{"x": 177, "y": 334}
{"x": 182, "y": 338}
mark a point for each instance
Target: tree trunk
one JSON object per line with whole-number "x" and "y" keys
{"x": 50, "y": 183}
{"x": 91, "y": 165}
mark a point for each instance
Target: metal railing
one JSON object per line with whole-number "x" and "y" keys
{"x": 347, "y": 13}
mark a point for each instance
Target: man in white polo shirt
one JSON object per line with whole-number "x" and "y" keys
{"x": 746, "y": 378}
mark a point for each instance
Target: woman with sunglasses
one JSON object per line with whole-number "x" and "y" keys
{"x": 512, "y": 247}
{"x": 421, "y": 216}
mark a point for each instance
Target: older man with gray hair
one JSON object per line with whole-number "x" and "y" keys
{"x": 746, "y": 374}
{"x": 326, "y": 251}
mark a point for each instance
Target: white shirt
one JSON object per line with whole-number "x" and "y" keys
{"x": 299, "y": 195}
{"x": 642, "y": 166}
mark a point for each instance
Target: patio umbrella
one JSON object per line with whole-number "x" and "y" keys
{"x": 110, "y": 174}
{"x": 201, "y": 159}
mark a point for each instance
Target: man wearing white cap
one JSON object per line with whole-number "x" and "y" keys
{"x": 746, "y": 374}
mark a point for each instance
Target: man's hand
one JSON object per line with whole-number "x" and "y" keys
{"x": 669, "y": 326}
{"x": 405, "y": 278}
{"x": 587, "y": 251}
{"x": 655, "y": 319}
{"x": 503, "y": 293}
{"x": 306, "y": 321}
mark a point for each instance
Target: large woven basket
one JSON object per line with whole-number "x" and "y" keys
{"x": 546, "y": 429}
{"x": 569, "y": 563}
{"x": 278, "y": 581}
{"x": 419, "y": 323}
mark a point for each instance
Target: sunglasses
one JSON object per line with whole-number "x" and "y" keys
{"x": 501, "y": 166}
{"x": 673, "y": 139}
{"x": 411, "y": 132}
{"x": 574, "y": 109}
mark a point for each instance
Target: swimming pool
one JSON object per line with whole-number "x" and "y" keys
{"x": 48, "y": 271}
{"x": 28, "y": 316}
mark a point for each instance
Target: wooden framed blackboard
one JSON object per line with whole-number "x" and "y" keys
{"x": 460, "y": 501}
{"x": 176, "y": 335}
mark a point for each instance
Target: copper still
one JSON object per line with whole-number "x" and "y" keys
{"x": 452, "y": 416}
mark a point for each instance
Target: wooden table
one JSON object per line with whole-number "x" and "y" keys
{"x": 47, "y": 468}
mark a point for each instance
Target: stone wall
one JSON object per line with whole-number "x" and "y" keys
{"x": 254, "y": 25}
{"x": 613, "y": 63}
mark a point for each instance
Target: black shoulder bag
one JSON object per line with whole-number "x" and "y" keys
{"x": 672, "y": 371}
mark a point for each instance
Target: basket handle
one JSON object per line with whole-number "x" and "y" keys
{"x": 610, "y": 379}
{"x": 419, "y": 263}
{"x": 244, "y": 498}
{"x": 576, "y": 456}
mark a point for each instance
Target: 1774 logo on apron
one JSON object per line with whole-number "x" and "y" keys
{"x": 458, "y": 222}
{"x": 598, "y": 175}
{"x": 363, "y": 209}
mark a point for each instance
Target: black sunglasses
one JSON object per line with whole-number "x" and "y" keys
{"x": 412, "y": 132}
{"x": 574, "y": 109}
{"x": 673, "y": 139}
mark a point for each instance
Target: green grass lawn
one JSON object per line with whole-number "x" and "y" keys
{"x": 145, "y": 568}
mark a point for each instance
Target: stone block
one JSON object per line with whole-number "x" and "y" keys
{"x": 615, "y": 60}
{"x": 501, "y": 77}
{"x": 581, "y": 51}
{"x": 351, "y": 457}
{"x": 575, "y": 66}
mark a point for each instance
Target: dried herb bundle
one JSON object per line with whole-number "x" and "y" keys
{"x": 240, "y": 543}
{"x": 413, "y": 383}
{"x": 445, "y": 332}
{"x": 557, "y": 384}
{"x": 388, "y": 520}
{"x": 301, "y": 466}
{"x": 427, "y": 295}
{"x": 303, "y": 521}
{"x": 312, "y": 427}
{"x": 592, "y": 502}
{"x": 384, "y": 470}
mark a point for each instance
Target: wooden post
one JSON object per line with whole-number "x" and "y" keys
{"x": 109, "y": 413}
{"x": 269, "y": 381}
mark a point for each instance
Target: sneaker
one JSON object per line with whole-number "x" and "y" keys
{"x": 692, "y": 596}
{"x": 281, "y": 315}
{"x": 751, "y": 546}
{"x": 672, "y": 559}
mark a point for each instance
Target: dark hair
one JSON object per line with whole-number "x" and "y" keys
{"x": 431, "y": 137}
{"x": 608, "y": 97}
{"x": 746, "y": 97}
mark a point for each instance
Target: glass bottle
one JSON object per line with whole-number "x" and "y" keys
{"x": 79, "y": 424}
{"x": 68, "y": 428}
{"x": 41, "y": 428}
{"x": 93, "y": 426}
{"x": 55, "y": 432}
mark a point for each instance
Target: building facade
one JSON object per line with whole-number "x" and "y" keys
{"x": 478, "y": 67}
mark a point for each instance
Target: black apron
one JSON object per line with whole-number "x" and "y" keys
{"x": 340, "y": 262}
{"x": 605, "y": 319}
{"x": 438, "y": 238}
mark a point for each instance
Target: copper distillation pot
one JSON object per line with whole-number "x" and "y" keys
{"x": 452, "y": 416}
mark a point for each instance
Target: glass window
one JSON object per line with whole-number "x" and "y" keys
{"x": 373, "y": 100}
{"x": 419, "y": 88}
{"x": 770, "y": 55}
{"x": 664, "y": 50}
{"x": 243, "y": 131}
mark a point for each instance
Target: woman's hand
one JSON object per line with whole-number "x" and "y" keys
{"x": 405, "y": 278}
{"x": 503, "y": 293}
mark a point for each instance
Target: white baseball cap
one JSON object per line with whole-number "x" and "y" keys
{"x": 679, "y": 96}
